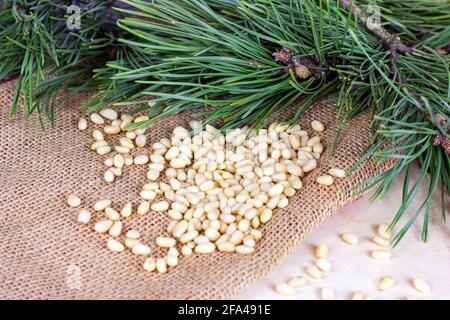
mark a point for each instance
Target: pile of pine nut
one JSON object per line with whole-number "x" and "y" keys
{"x": 322, "y": 265}
{"x": 217, "y": 189}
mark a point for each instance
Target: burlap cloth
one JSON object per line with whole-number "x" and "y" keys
{"x": 45, "y": 254}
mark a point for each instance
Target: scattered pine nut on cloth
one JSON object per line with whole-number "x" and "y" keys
{"x": 73, "y": 262}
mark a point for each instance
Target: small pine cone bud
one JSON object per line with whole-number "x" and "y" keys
{"x": 302, "y": 71}
{"x": 446, "y": 144}
{"x": 440, "y": 119}
{"x": 284, "y": 56}
{"x": 437, "y": 140}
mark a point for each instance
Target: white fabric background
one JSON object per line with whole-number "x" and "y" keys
{"x": 353, "y": 269}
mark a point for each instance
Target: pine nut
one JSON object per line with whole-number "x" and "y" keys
{"x": 381, "y": 241}
{"x": 325, "y": 180}
{"x": 112, "y": 214}
{"x": 161, "y": 265}
{"x": 84, "y": 216}
{"x": 381, "y": 254}
{"x": 165, "y": 242}
{"x": 160, "y": 206}
{"x": 126, "y": 210}
{"x": 317, "y": 126}
{"x": 297, "y": 282}
{"x": 141, "y": 250}
{"x": 350, "y": 239}
{"x": 327, "y": 294}
{"x": 130, "y": 243}
{"x": 141, "y": 159}
{"x": 98, "y": 135}
{"x": 143, "y": 208}
{"x": 285, "y": 289}
{"x": 109, "y": 114}
{"x": 321, "y": 251}
{"x": 115, "y": 245}
{"x": 314, "y": 272}
{"x": 383, "y": 231}
{"x": 171, "y": 261}
{"x": 102, "y": 205}
{"x": 421, "y": 286}
{"x": 109, "y": 176}
{"x": 150, "y": 264}
{"x": 73, "y": 201}
{"x": 244, "y": 249}
{"x": 103, "y": 226}
{"x": 186, "y": 250}
{"x": 140, "y": 141}
{"x": 358, "y": 295}
{"x": 205, "y": 248}
{"x": 96, "y": 118}
{"x": 111, "y": 130}
{"x": 82, "y": 124}
{"x": 324, "y": 265}
{"x": 116, "y": 229}
{"x": 336, "y": 172}
{"x": 386, "y": 283}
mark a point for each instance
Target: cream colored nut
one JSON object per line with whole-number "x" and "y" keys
{"x": 314, "y": 272}
{"x": 285, "y": 289}
{"x": 103, "y": 150}
{"x": 317, "y": 126}
{"x": 122, "y": 149}
{"x": 350, "y": 238}
{"x": 321, "y": 251}
{"x": 165, "y": 242}
{"x": 265, "y": 215}
{"x": 207, "y": 186}
{"x": 173, "y": 252}
{"x": 73, "y": 201}
{"x": 276, "y": 190}
{"x": 84, "y": 216}
{"x": 133, "y": 234}
{"x": 98, "y": 144}
{"x": 109, "y": 114}
{"x": 119, "y": 160}
{"x": 103, "y": 226}
{"x": 171, "y": 261}
{"x": 327, "y": 294}
{"x": 115, "y": 245}
{"x": 82, "y": 124}
{"x": 161, "y": 265}
{"x": 102, "y": 205}
{"x": 381, "y": 241}
{"x": 98, "y": 135}
{"x": 130, "y": 243}
{"x": 386, "y": 283}
{"x": 152, "y": 174}
{"x": 297, "y": 282}
{"x": 150, "y": 264}
{"x": 141, "y": 250}
{"x": 325, "y": 180}
{"x": 310, "y": 165}
{"x": 112, "y": 214}
{"x": 336, "y": 172}
{"x": 127, "y": 143}
{"x": 383, "y": 231}
{"x": 109, "y": 176}
{"x": 358, "y": 295}
{"x": 421, "y": 285}
{"x": 111, "y": 130}
{"x": 126, "y": 210}
{"x": 242, "y": 249}
{"x": 324, "y": 265}
{"x": 180, "y": 228}
{"x": 140, "y": 141}
{"x": 207, "y": 247}
{"x": 177, "y": 163}
{"x": 186, "y": 250}
{"x": 109, "y": 162}
{"x": 148, "y": 195}
{"x": 381, "y": 254}
{"x": 143, "y": 208}
{"x": 116, "y": 229}
{"x": 96, "y": 118}
{"x": 160, "y": 206}
{"x": 226, "y": 246}
{"x": 141, "y": 159}
{"x": 116, "y": 171}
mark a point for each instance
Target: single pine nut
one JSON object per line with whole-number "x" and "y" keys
{"x": 82, "y": 124}
{"x": 98, "y": 135}
{"x": 150, "y": 264}
{"x": 327, "y": 294}
{"x": 350, "y": 238}
{"x": 421, "y": 286}
{"x": 141, "y": 250}
{"x": 140, "y": 141}
{"x": 336, "y": 172}
{"x": 244, "y": 249}
{"x": 226, "y": 246}
{"x": 325, "y": 180}
{"x": 186, "y": 250}
{"x": 115, "y": 245}
{"x": 102, "y": 205}
{"x": 126, "y": 210}
{"x": 165, "y": 242}
{"x": 141, "y": 159}
{"x": 321, "y": 251}
{"x": 314, "y": 272}
{"x": 381, "y": 241}
{"x": 160, "y": 206}
{"x": 383, "y": 231}
{"x": 109, "y": 176}
{"x": 132, "y": 234}
{"x": 116, "y": 229}
{"x": 96, "y": 118}
{"x": 324, "y": 265}
{"x": 297, "y": 282}
{"x": 109, "y": 114}
{"x": 119, "y": 160}
{"x": 84, "y": 216}
{"x": 73, "y": 201}
{"x": 112, "y": 214}
{"x": 317, "y": 126}
{"x": 207, "y": 247}
{"x": 386, "y": 283}
{"x": 171, "y": 261}
{"x": 381, "y": 254}
{"x": 130, "y": 243}
{"x": 285, "y": 289}
{"x": 358, "y": 295}
{"x": 111, "y": 130}
{"x": 161, "y": 265}
{"x": 143, "y": 208}
{"x": 103, "y": 226}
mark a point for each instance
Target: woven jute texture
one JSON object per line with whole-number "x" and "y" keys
{"x": 45, "y": 254}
